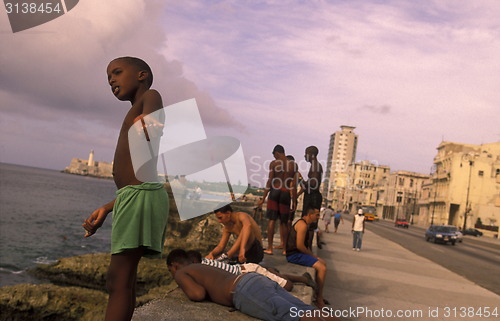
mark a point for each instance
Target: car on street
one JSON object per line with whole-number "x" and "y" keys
{"x": 442, "y": 233}
{"x": 472, "y": 231}
{"x": 401, "y": 222}
{"x": 369, "y": 213}
{"x": 460, "y": 236}
{"x": 369, "y": 217}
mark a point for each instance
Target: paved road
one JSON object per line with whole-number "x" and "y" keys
{"x": 476, "y": 259}
{"x": 387, "y": 281}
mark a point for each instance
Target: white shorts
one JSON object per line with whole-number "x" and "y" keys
{"x": 252, "y": 267}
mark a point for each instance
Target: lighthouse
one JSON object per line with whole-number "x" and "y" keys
{"x": 91, "y": 159}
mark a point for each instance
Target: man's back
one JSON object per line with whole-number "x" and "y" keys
{"x": 217, "y": 283}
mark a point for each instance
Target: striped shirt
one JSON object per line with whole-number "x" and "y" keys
{"x": 234, "y": 269}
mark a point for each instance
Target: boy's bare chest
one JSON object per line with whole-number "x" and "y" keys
{"x": 234, "y": 229}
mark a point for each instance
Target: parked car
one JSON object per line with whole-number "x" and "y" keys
{"x": 442, "y": 233}
{"x": 472, "y": 231}
{"x": 376, "y": 218}
{"x": 401, "y": 222}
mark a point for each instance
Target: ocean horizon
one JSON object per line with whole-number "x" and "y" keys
{"x": 41, "y": 212}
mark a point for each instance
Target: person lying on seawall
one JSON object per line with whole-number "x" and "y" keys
{"x": 250, "y": 293}
{"x": 284, "y": 280}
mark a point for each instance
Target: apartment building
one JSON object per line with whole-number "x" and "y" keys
{"x": 465, "y": 186}
{"x": 341, "y": 153}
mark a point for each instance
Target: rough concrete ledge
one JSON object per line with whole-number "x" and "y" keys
{"x": 176, "y": 306}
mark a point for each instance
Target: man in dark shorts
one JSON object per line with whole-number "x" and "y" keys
{"x": 298, "y": 253}
{"x": 248, "y": 245}
{"x": 250, "y": 293}
{"x": 282, "y": 191}
{"x": 312, "y": 195}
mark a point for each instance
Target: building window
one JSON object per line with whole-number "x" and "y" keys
{"x": 481, "y": 173}
{"x": 401, "y": 181}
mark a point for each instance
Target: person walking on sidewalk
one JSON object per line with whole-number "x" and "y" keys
{"x": 336, "y": 220}
{"x": 358, "y": 228}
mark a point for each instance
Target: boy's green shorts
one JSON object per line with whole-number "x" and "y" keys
{"x": 140, "y": 218}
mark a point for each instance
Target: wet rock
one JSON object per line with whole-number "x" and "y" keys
{"x": 49, "y": 302}
{"x": 90, "y": 270}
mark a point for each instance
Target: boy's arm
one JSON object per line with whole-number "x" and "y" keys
{"x": 96, "y": 219}
{"x": 294, "y": 193}
{"x": 151, "y": 126}
{"x": 221, "y": 246}
{"x": 190, "y": 287}
{"x": 268, "y": 184}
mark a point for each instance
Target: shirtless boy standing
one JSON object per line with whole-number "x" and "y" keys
{"x": 282, "y": 190}
{"x": 140, "y": 209}
{"x": 248, "y": 245}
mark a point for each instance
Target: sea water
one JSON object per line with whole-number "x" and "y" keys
{"x": 41, "y": 216}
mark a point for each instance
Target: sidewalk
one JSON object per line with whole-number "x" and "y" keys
{"x": 382, "y": 280}
{"x": 385, "y": 277}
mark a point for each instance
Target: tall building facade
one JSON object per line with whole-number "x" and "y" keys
{"x": 363, "y": 180}
{"x": 464, "y": 187}
{"x": 399, "y": 195}
{"x": 341, "y": 153}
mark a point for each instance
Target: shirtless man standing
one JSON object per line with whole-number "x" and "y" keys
{"x": 250, "y": 293}
{"x": 282, "y": 190}
{"x": 248, "y": 245}
{"x": 312, "y": 195}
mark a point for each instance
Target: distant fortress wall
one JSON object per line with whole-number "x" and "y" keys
{"x": 90, "y": 167}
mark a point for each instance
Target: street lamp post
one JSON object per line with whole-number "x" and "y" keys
{"x": 467, "y": 205}
{"x": 434, "y": 185}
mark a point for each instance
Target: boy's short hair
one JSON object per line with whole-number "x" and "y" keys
{"x": 141, "y": 65}
{"x": 313, "y": 149}
{"x": 177, "y": 256}
{"x": 311, "y": 210}
{"x": 224, "y": 209}
{"x": 194, "y": 256}
{"x": 279, "y": 149}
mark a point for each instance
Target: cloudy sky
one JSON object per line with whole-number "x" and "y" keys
{"x": 406, "y": 74}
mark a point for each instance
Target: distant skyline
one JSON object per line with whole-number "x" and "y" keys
{"x": 406, "y": 74}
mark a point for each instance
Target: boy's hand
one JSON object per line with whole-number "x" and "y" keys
{"x": 95, "y": 221}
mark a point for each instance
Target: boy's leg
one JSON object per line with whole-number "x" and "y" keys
{"x": 270, "y": 236}
{"x": 283, "y": 233}
{"x": 121, "y": 280}
{"x": 320, "y": 267}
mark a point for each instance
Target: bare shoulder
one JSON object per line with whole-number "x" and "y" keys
{"x": 300, "y": 225}
{"x": 151, "y": 101}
